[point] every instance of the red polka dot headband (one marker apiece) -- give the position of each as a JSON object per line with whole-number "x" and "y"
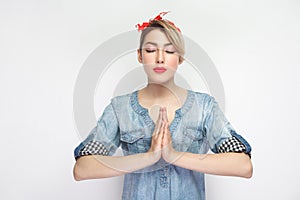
{"x": 144, "y": 25}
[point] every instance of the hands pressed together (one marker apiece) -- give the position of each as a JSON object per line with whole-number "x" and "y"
{"x": 161, "y": 144}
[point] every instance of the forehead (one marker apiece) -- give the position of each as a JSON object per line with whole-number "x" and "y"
{"x": 156, "y": 36}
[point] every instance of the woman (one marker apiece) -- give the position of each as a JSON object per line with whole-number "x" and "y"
{"x": 166, "y": 159}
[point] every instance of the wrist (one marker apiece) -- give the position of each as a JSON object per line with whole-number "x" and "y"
{"x": 153, "y": 156}
{"x": 171, "y": 156}
{"x": 176, "y": 155}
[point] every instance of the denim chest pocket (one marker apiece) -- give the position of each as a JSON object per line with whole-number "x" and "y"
{"x": 135, "y": 141}
{"x": 194, "y": 140}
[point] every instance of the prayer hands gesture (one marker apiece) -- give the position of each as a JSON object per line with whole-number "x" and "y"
{"x": 161, "y": 144}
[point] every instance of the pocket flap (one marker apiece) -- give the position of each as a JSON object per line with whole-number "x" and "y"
{"x": 132, "y": 136}
{"x": 194, "y": 133}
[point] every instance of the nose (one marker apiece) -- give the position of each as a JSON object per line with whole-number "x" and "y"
{"x": 160, "y": 56}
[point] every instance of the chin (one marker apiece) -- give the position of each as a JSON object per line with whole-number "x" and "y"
{"x": 158, "y": 81}
{"x": 160, "y": 78}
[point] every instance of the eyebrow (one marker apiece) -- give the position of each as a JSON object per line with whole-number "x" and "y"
{"x": 155, "y": 44}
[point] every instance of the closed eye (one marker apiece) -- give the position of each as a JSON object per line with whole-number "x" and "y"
{"x": 170, "y": 52}
{"x": 150, "y": 50}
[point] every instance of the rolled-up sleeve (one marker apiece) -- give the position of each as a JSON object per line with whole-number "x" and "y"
{"x": 221, "y": 135}
{"x": 104, "y": 138}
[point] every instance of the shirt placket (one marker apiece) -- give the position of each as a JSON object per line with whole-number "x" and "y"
{"x": 164, "y": 177}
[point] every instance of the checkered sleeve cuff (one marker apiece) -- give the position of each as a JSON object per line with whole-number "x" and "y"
{"x": 93, "y": 148}
{"x": 232, "y": 144}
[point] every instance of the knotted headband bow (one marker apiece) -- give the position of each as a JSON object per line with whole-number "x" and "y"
{"x": 158, "y": 17}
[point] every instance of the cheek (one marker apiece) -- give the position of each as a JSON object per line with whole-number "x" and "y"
{"x": 172, "y": 62}
{"x": 148, "y": 58}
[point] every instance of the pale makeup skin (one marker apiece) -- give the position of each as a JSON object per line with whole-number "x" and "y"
{"x": 160, "y": 62}
{"x": 158, "y": 53}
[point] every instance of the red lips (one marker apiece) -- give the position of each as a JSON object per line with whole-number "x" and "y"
{"x": 159, "y": 69}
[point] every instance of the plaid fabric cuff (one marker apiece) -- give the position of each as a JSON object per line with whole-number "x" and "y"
{"x": 232, "y": 144}
{"x": 93, "y": 148}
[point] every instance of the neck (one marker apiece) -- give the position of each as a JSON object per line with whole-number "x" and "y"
{"x": 161, "y": 90}
{"x": 162, "y": 94}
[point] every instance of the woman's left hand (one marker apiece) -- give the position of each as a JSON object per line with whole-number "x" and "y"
{"x": 168, "y": 152}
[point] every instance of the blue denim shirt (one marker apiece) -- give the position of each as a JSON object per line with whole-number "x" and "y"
{"x": 199, "y": 125}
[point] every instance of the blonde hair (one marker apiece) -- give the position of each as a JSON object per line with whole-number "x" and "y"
{"x": 171, "y": 32}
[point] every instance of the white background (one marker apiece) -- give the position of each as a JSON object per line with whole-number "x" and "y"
{"x": 255, "y": 46}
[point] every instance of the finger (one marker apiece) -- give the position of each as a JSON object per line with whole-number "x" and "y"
{"x": 167, "y": 127}
{"x": 159, "y": 122}
{"x": 164, "y": 114}
{"x": 160, "y": 129}
{"x": 167, "y": 134}
{"x": 160, "y": 135}
{"x": 165, "y": 137}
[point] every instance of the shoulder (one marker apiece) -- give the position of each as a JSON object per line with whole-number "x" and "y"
{"x": 122, "y": 97}
{"x": 202, "y": 97}
{"x": 204, "y": 101}
{"x": 122, "y": 100}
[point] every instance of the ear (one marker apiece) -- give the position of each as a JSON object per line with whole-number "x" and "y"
{"x": 139, "y": 55}
{"x": 181, "y": 59}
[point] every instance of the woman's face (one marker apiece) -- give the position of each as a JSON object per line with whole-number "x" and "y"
{"x": 159, "y": 57}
